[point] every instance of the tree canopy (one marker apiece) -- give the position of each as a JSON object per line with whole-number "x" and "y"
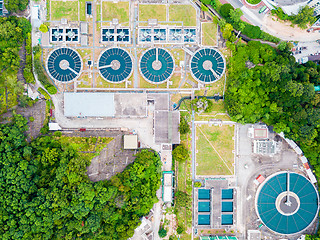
{"x": 13, "y": 32}
{"x": 277, "y": 91}
{"x": 16, "y": 5}
{"x": 46, "y": 194}
{"x": 304, "y": 17}
{"x": 180, "y": 153}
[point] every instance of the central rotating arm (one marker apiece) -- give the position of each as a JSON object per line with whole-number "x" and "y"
{"x": 72, "y": 70}
{"x": 106, "y": 66}
{"x": 214, "y": 73}
{"x": 288, "y": 203}
{"x": 157, "y": 54}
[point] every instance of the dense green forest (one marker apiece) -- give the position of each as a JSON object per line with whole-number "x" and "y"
{"x": 46, "y": 194}
{"x": 278, "y": 91}
{"x": 13, "y": 32}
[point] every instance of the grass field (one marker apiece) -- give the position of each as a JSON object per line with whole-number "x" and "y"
{"x": 118, "y": 10}
{"x": 98, "y": 12}
{"x": 145, "y": 84}
{"x": 101, "y": 83}
{"x": 152, "y": 12}
{"x": 218, "y": 112}
{"x": 175, "y": 79}
{"x": 84, "y": 81}
{"x": 82, "y": 10}
{"x": 214, "y": 150}
{"x": 209, "y": 34}
{"x": 68, "y": 10}
{"x": 185, "y": 13}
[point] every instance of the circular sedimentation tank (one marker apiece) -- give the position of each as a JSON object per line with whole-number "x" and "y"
{"x": 207, "y": 65}
{"x": 64, "y": 64}
{"x": 115, "y": 65}
{"x": 156, "y": 65}
{"x": 287, "y": 203}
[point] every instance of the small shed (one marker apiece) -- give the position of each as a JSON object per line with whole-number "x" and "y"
{"x": 259, "y": 179}
{"x": 35, "y": 16}
{"x": 84, "y": 40}
{"x": 84, "y": 28}
{"x": 54, "y": 126}
{"x": 130, "y": 141}
{"x": 167, "y": 186}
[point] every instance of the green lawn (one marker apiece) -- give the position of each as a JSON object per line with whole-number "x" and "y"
{"x": 152, "y": 12}
{"x": 82, "y": 10}
{"x": 68, "y": 10}
{"x": 218, "y": 112}
{"x": 98, "y": 12}
{"x": 101, "y": 83}
{"x": 118, "y": 10}
{"x": 214, "y": 150}
{"x": 145, "y": 84}
{"x": 185, "y": 13}
{"x": 175, "y": 79}
{"x": 84, "y": 81}
{"x": 209, "y": 34}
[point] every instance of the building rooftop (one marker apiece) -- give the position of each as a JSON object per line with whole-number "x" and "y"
{"x": 130, "y": 141}
{"x": 89, "y": 104}
{"x": 254, "y": 235}
{"x": 166, "y": 127}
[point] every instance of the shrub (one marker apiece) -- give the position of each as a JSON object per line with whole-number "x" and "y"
{"x": 43, "y": 28}
{"x": 31, "y": 119}
{"x": 28, "y": 75}
{"x": 254, "y": 2}
{"x": 51, "y": 89}
{"x": 197, "y": 184}
{"x": 182, "y": 199}
{"x": 252, "y": 31}
{"x": 209, "y": 107}
{"x": 180, "y": 153}
{"x": 44, "y": 93}
{"x": 202, "y": 105}
{"x": 280, "y": 14}
{"x": 162, "y": 232}
{"x": 180, "y": 230}
{"x": 225, "y": 10}
{"x": 42, "y": 77}
{"x": 44, "y": 129}
{"x": 184, "y": 126}
{"x": 23, "y": 100}
{"x": 57, "y": 134}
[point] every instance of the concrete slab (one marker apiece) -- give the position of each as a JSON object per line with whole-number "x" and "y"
{"x": 130, "y": 104}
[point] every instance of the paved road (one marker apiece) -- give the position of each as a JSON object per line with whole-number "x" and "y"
{"x": 236, "y": 3}
{"x": 251, "y": 16}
